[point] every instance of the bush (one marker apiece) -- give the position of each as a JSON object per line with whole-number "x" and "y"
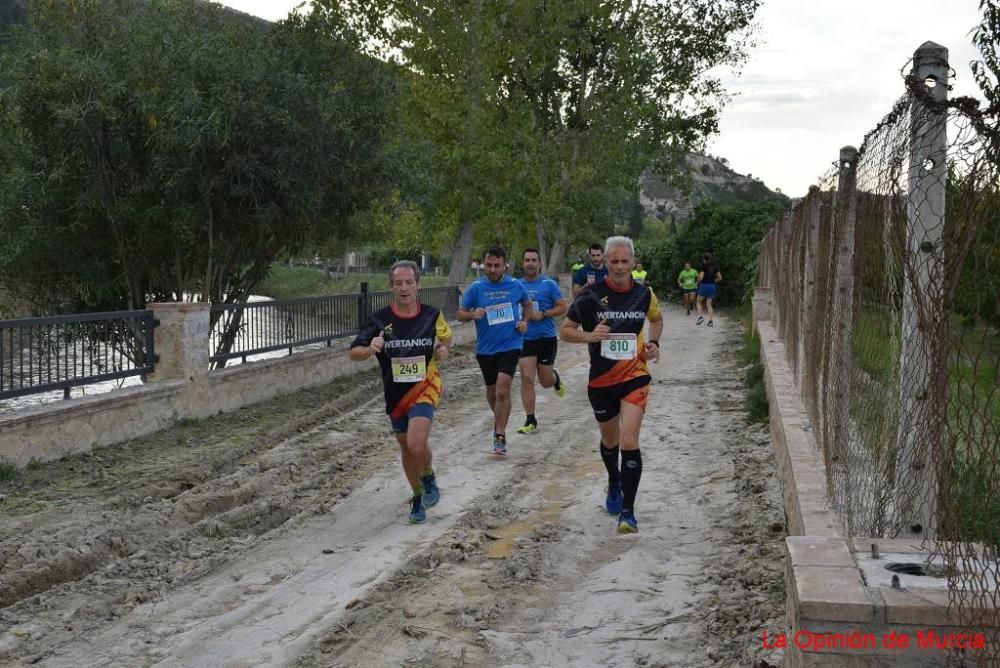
{"x": 755, "y": 398}
{"x": 731, "y": 234}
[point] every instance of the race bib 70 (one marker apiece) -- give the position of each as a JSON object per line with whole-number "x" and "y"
{"x": 500, "y": 313}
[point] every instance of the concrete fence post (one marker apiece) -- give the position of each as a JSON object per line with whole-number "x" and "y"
{"x": 921, "y": 386}
{"x": 181, "y": 341}
{"x": 783, "y": 276}
{"x": 836, "y": 394}
{"x": 807, "y": 306}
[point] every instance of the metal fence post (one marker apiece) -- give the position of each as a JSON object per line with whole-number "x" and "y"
{"x": 922, "y": 383}
{"x": 364, "y": 305}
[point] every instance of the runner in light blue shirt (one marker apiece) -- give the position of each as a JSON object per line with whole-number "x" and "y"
{"x": 493, "y": 303}
{"x": 538, "y": 356}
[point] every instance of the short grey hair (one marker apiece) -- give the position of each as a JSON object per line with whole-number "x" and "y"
{"x": 404, "y": 264}
{"x": 619, "y": 241}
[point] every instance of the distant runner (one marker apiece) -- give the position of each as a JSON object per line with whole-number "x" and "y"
{"x": 538, "y": 356}
{"x": 639, "y": 274}
{"x": 492, "y": 302}
{"x": 407, "y": 337}
{"x": 612, "y": 315}
{"x": 708, "y": 276}
{"x": 591, "y": 273}
{"x": 687, "y": 280}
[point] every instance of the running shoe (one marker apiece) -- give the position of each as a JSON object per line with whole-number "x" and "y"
{"x": 627, "y": 523}
{"x": 614, "y": 500}
{"x": 710, "y": 324}
{"x": 559, "y": 387}
{"x": 432, "y": 493}
{"x": 418, "y": 514}
{"x": 700, "y": 320}
{"x": 499, "y": 445}
{"x": 528, "y": 428}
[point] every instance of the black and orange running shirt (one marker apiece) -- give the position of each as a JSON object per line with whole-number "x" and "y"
{"x": 409, "y": 372}
{"x": 622, "y": 357}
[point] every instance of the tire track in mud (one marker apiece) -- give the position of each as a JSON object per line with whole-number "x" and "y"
{"x": 95, "y": 535}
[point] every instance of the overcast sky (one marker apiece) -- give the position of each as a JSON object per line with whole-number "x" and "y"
{"x": 823, "y": 74}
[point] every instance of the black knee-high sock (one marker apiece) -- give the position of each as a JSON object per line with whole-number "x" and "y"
{"x": 610, "y": 458}
{"x": 631, "y": 472}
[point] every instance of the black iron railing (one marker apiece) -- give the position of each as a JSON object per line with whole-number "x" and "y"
{"x": 60, "y": 352}
{"x": 241, "y": 330}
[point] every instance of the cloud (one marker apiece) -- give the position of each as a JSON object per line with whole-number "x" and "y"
{"x": 825, "y": 74}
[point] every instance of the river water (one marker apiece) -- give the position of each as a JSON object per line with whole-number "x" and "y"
{"x": 32, "y": 400}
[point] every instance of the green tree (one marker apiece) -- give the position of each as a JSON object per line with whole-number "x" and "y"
{"x": 155, "y": 149}
{"x": 731, "y": 234}
{"x": 544, "y": 114}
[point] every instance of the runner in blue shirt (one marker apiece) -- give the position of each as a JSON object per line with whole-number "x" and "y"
{"x": 492, "y": 302}
{"x": 595, "y": 272}
{"x": 538, "y": 356}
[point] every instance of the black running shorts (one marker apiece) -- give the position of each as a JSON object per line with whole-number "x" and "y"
{"x": 606, "y": 401}
{"x": 492, "y": 365}
{"x": 543, "y": 349}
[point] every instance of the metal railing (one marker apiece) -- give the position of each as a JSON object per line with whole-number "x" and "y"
{"x": 241, "y": 330}
{"x": 60, "y": 352}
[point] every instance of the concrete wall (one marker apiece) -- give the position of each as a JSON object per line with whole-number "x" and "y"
{"x": 182, "y": 387}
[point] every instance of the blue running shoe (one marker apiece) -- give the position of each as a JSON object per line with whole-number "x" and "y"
{"x": 627, "y": 523}
{"x": 499, "y": 445}
{"x": 432, "y": 494}
{"x": 614, "y": 500}
{"x": 418, "y": 515}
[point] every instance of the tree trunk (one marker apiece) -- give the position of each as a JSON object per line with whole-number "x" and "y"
{"x": 460, "y": 256}
{"x": 543, "y": 247}
{"x": 555, "y": 259}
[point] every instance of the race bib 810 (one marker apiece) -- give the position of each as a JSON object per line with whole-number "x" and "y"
{"x": 620, "y": 347}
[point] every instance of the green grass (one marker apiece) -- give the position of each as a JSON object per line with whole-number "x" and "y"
{"x": 972, "y": 417}
{"x": 286, "y": 282}
{"x": 755, "y": 392}
{"x": 7, "y": 471}
{"x": 875, "y": 342}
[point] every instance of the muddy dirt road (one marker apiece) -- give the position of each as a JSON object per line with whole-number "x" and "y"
{"x": 277, "y": 535}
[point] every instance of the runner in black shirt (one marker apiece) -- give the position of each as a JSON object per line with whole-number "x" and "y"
{"x": 610, "y": 317}
{"x": 708, "y": 277}
{"x": 408, "y": 338}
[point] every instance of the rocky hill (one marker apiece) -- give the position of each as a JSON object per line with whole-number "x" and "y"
{"x": 709, "y": 180}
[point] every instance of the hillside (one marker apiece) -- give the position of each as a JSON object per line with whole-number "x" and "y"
{"x": 710, "y": 181}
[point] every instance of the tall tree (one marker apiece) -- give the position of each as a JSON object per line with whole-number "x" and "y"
{"x": 547, "y": 112}
{"x": 160, "y": 148}
{"x": 986, "y": 37}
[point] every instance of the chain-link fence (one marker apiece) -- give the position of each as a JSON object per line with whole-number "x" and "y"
{"x": 886, "y": 284}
